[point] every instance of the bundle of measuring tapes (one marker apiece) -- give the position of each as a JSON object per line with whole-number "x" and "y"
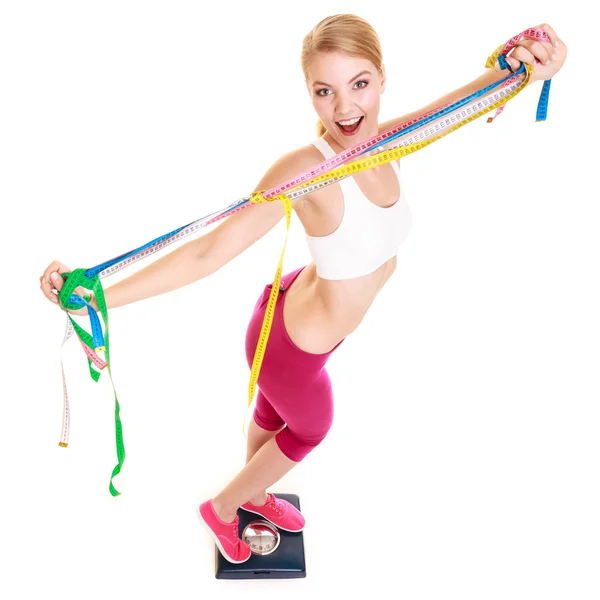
{"x": 407, "y": 137}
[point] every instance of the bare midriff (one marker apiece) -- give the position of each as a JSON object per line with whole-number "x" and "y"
{"x": 319, "y": 313}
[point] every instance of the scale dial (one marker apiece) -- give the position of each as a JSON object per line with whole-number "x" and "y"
{"x": 262, "y": 537}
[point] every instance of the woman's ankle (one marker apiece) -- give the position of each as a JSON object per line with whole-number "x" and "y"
{"x": 227, "y": 515}
{"x": 259, "y": 499}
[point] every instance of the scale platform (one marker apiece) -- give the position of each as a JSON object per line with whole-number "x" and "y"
{"x": 276, "y": 554}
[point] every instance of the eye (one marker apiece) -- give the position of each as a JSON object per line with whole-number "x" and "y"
{"x": 362, "y": 81}
{"x": 323, "y": 90}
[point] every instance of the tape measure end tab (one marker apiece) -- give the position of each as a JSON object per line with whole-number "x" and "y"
{"x": 63, "y": 444}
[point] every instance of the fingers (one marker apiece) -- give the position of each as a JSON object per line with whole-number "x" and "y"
{"x": 551, "y": 33}
{"x": 52, "y": 287}
{"x": 57, "y": 266}
{"x": 533, "y": 51}
{"x": 514, "y": 64}
{"x": 558, "y": 46}
{"x": 51, "y": 281}
{"x": 530, "y": 52}
{"x": 519, "y": 55}
{"x": 48, "y": 291}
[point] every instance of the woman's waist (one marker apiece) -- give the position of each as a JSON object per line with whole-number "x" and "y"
{"x": 330, "y": 310}
{"x": 318, "y": 313}
{"x": 347, "y": 301}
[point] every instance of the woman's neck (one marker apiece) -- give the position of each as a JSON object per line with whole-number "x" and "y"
{"x": 337, "y": 148}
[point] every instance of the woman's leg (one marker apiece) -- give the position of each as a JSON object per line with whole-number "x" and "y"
{"x": 264, "y": 424}
{"x": 268, "y": 465}
{"x": 257, "y": 438}
{"x": 306, "y": 428}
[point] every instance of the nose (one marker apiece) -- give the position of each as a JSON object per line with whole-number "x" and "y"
{"x": 343, "y": 105}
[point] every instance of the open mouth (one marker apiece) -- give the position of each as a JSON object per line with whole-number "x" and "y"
{"x": 353, "y": 125}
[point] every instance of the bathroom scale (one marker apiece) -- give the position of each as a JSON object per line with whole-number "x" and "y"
{"x": 276, "y": 554}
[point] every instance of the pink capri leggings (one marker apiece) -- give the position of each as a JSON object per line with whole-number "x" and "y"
{"x": 294, "y": 388}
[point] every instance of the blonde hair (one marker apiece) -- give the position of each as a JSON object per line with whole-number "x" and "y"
{"x": 345, "y": 33}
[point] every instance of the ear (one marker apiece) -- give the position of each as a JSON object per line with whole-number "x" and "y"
{"x": 383, "y": 78}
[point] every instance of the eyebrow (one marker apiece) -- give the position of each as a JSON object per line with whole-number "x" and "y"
{"x": 355, "y": 77}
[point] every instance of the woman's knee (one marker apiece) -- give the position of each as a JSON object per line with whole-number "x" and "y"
{"x": 270, "y": 423}
{"x": 265, "y": 414}
{"x": 296, "y": 446}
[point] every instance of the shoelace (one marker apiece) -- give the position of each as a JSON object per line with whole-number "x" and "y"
{"x": 235, "y": 529}
{"x": 96, "y": 345}
{"x": 275, "y": 505}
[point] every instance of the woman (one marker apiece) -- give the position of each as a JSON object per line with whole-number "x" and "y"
{"x": 354, "y": 229}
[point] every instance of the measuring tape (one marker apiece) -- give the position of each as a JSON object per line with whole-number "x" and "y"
{"x": 500, "y": 54}
{"x": 427, "y": 128}
{"x": 430, "y": 135}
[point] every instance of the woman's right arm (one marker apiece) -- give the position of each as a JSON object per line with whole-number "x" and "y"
{"x": 205, "y": 255}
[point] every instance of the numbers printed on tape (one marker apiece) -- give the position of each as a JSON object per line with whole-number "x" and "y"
{"x": 423, "y": 130}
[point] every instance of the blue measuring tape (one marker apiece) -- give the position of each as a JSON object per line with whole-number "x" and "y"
{"x": 89, "y": 278}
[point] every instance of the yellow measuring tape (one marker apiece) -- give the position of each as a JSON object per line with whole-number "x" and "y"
{"x": 350, "y": 169}
{"x": 257, "y": 198}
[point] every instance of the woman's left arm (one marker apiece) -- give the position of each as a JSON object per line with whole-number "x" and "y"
{"x": 545, "y": 58}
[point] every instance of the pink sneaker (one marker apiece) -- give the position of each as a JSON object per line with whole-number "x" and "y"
{"x": 280, "y": 512}
{"x": 226, "y": 535}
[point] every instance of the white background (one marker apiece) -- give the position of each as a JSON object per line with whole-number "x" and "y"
{"x": 463, "y": 459}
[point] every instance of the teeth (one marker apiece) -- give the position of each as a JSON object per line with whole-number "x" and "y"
{"x": 350, "y": 122}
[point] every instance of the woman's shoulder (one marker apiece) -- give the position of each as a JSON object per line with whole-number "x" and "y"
{"x": 289, "y": 165}
{"x": 292, "y": 164}
{"x": 300, "y": 159}
{"x": 306, "y": 157}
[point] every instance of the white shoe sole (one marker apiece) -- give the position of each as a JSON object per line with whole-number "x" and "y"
{"x": 217, "y": 541}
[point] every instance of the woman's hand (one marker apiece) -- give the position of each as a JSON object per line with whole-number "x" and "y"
{"x": 51, "y": 283}
{"x": 545, "y": 58}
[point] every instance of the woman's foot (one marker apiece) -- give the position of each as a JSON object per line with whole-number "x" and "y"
{"x": 226, "y": 535}
{"x": 259, "y": 500}
{"x": 279, "y": 512}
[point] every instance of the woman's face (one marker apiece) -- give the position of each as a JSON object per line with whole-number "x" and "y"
{"x": 344, "y": 88}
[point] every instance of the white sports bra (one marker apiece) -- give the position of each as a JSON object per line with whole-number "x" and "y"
{"x": 368, "y": 235}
